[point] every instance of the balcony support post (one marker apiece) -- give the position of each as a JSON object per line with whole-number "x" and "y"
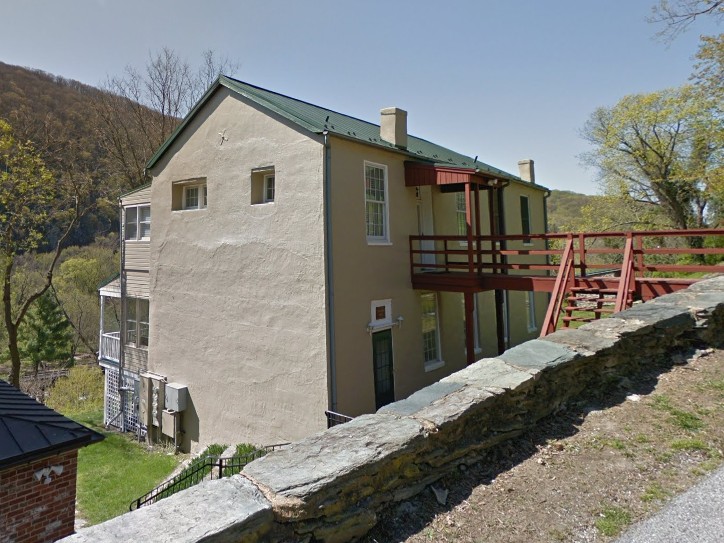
{"x": 469, "y": 225}
{"x": 102, "y": 325}
{"x": 478, "y": 241}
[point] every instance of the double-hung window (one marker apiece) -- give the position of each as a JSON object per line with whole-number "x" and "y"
{"x": 137, "y": 322}
{"x": 461, "y": 214}
{"x": 194, "y": 196}
{"x": 376, "y": 203}
{"x": 137, "y": 223}
{"x": 430, "y": 331}
{"x": 268, "y": 188}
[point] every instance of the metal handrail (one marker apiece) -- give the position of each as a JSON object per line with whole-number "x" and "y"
{"x": 225, "y": 465}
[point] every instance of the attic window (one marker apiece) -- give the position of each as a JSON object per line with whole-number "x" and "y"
{"x": 189, "y": 195}
{"x": 263, "y": 185}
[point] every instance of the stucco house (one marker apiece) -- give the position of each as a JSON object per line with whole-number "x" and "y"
{"x": 286, "y": 272}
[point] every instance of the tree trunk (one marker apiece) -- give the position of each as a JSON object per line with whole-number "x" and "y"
{"x": 9, "y": 324}
{"x": 14, "y": 354}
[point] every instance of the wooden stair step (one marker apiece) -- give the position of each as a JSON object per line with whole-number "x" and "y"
{"x": 591, "y": 300}
{"x": 594, "y": 290}
{"x": 577, "y": 319}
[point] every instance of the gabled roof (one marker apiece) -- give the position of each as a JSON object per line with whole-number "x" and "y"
{"x": 318, "y": 120}
{"x": 29, "y": 430}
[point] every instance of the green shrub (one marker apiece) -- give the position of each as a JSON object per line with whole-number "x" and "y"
{"x": 80, "y": 392}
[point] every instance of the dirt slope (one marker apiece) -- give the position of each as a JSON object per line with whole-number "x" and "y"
{"x": 585, "y": 473}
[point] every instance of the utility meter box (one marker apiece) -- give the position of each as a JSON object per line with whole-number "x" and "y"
{"x": 169, "y": 423}
{"x": 175, "y": 398}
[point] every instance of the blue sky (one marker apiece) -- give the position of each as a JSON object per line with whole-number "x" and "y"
{"x": 501, "y": 79}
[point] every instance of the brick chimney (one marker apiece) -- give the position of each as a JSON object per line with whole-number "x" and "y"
{"x": 527, "y": 170}
{"x": 393, "y": 126}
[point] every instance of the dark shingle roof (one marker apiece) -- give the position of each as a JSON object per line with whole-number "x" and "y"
{"x": 29, "y": 430}
{"x": 317, "y": 119}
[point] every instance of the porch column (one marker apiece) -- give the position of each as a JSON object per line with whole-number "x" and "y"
{"x": 492, "y": 227}
{"x": 100, "y": 336}
{"x": 477, "y": 229}
{"x": 469, "y": 324}
{"x": 469, "y": 229}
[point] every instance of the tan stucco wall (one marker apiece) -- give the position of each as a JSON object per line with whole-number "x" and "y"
{"x": 364, "y": 272}
{"x": 237, "y": 290}
{"x": 517, "y": 302}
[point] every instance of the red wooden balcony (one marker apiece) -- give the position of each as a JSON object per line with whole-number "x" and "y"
{"x": 631, "y": 265}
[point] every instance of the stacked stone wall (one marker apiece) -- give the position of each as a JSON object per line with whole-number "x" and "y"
{"x": 329, "y": 487}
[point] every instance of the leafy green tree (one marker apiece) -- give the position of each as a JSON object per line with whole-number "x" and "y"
{"x": 31, "y": 201}
{"x": 46, "y": 335}
{"x": 661, "y": 149}
{"x": 76, "y": 286}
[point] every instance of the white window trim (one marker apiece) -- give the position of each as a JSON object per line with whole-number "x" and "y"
{"x": 431, "y": 365}
{"x": 265, "y": 199}
{"x": 137, "y": 322}
{"x": 458, "y": 211}
{"x": 202, "y": 196}
{"x": 138, "y": 223}
{"x": 377, "y": 240}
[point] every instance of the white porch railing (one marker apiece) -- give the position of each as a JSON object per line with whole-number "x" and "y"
{"x": 110, "y": 346}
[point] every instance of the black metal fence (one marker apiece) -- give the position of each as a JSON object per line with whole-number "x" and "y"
{"x": 333, "y": 419}
{"x": 212, "y": 467}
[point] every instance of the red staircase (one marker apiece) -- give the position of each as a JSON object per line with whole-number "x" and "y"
{"x": 587, "y": 303}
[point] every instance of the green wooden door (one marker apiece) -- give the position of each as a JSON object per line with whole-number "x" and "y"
{"x": 383, "y": 369}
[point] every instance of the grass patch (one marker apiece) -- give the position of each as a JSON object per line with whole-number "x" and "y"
{"x": 655, "y": 492}
{"x": 682, "y": 419}
{"x": 613, "y": 520}
{"x": 690, "y": 445}
{"x": 244, "y": 453}
{"x": 115, "y": 472}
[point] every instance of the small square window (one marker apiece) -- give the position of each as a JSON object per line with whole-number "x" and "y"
{"x": 189, "y": 195}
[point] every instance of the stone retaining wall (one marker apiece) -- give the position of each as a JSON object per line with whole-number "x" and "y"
{"x": 330, "y": 486}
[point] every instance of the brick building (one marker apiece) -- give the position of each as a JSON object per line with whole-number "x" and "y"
{"x": 38, "y": 465}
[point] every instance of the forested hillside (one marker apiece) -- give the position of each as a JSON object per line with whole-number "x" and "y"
{"x": 564, "y": 210}
{"x": 67, "y": 152}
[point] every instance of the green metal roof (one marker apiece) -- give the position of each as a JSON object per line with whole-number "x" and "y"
{"x": 317, "y": 119}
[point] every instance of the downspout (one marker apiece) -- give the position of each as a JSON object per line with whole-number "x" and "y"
{"x": 501, "y": 297}
{"x": 122, "y": 334}
{"x": 329, "y": 273}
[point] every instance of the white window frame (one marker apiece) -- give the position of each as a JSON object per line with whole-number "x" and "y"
{"x": 202, "y": 195}
{"x": 436, "y": 362}
{"x": 530, "y": 311}
{"x": 135, "y": 325}
{"x": 377, "y": 324}
{"x": 269, "y": 182}
{"x": 384, "y": 239}
{"x": 137, "y": 223}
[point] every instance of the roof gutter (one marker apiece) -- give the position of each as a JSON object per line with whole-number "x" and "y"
{"x": 329, "y": 274}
